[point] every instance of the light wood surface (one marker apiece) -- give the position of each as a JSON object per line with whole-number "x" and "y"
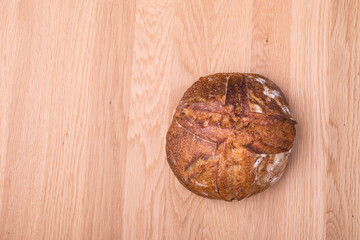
{"x": 88, "y": 89}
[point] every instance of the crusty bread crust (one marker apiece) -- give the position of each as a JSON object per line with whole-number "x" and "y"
{"x": 230, "y": 136}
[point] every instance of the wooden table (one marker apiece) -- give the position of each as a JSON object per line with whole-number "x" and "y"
{"x": 88, "y": 89}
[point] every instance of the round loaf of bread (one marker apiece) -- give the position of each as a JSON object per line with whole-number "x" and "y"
{"x": 231, "y": 136}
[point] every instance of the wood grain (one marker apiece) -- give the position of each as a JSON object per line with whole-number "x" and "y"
{"x": 343, "y": 178}
{"x": 88, "y": 89}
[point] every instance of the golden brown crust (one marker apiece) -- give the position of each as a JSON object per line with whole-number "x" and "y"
{"x": 230, "y": 136}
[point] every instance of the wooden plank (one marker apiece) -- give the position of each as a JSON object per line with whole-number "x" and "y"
{"x": 144, "y": 179}
{"x": 343, "y": 178}
{"x": 63, "y": 143}
{"x": 309, "y": 76}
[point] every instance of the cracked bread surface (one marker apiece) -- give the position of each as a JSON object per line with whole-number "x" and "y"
{"x": 231, "y": 136}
